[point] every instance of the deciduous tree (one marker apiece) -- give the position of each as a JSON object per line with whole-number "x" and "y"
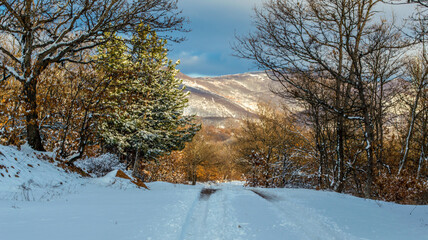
{"x": 40, "y": 33}
{"x": 329, "y": 53}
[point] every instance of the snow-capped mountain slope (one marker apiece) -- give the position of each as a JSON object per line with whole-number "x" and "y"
{"x": 230, "y": 97}
{"x": 224, "y": 100}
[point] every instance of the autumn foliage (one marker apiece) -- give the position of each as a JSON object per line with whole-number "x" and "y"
{"x": 209, "y": 157}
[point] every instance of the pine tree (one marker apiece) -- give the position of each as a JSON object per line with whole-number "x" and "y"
{"x": 145, "y": 101}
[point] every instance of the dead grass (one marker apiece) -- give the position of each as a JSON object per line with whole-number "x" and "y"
{"x": 138, "y": 182}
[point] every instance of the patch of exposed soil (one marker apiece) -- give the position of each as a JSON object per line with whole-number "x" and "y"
{"x": 206, "y": 193}
{"x": 266, "y": 196}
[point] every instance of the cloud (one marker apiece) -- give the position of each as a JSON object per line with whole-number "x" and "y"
{"x": 197, "y": 75}
{"x": 210, "y": 63}
{"x": 191, "y": 59}
{"x": 213, "y": 25}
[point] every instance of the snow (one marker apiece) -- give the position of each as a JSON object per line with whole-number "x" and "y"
{"x": 23, "y": 171}
{"x": 67, "y": 206}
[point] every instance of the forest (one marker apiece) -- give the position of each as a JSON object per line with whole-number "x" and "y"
{"x": 85, "y": 79}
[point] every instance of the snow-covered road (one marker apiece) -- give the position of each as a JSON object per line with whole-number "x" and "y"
{"x": 234, "y": 212}
{"x": 111, "y": 209}
{"x": 40, "y": 201}
{"x": 237, "y": 213}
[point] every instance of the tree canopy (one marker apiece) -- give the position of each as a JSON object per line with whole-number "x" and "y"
{"x": 145, "y": 101}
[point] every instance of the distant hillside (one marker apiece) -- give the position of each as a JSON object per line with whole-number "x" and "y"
{"x": 224, "y": 100}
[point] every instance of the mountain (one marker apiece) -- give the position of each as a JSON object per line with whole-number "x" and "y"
{"x": 226, "y": 100}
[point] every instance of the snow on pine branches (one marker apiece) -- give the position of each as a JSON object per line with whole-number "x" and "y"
{"x": 145, "y": 101}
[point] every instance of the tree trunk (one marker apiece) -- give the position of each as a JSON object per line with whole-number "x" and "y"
{"x": 368, "y": 137}
{"x": 424, "y": 144}
{"x": 340, "y": 131}
{"x": 30, "y": 99}
{"x": 421, "y": 162}
{"x": 409, "y": 133}
{"x": 284, "y": 169}
{"x": 378, "y": 113}
{"x": 136, "y": 170}
{"x": 320, "y": 146}
{"x": 194, "y": 175}
{"x": 370, "y": 158}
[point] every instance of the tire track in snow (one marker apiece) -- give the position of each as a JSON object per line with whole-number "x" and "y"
{"x": 187, "y": 220}
{"x": 206, "y": 193}
{"x": 223, "y": 224}
{"x": 211, "y": 217}
{"x": 312, "y": 224}
{"x": 268, "y": 197}
{"x": 197, "y": 216}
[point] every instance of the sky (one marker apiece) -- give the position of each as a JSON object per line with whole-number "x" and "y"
{"x": 214, "y": 24}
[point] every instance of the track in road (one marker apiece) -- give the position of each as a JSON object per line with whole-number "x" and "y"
{"x": 309, "y": 223}
{"x": 209, "y": 213}
{"x": 206, "y": 193}
{"x": 254, "y": 214}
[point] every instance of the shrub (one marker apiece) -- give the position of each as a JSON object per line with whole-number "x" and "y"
{"x": 100, "y": 166}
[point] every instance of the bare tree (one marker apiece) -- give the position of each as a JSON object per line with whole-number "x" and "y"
{"x": 335, "y": 45}
{"x": 203, "y": 155}
{"x": 423, "y": 3}
{"x": 420, "y": 2}
{"x": 40, "y": 33}
{"x": 273, "y": 148}
{"x": 70, "y": 107}
{"x": 418, "y": 72}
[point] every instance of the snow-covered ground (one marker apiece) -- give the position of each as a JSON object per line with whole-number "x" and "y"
{"x": 48, "y": 203}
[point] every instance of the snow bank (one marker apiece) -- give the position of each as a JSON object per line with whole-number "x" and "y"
{"x": 30, "y": 175}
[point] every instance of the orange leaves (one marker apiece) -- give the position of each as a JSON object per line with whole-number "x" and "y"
{"x": 121, "y": 174}
{"x": 11, "y": 113}
{"x": 207, "y": 158}
{"x": 273, "y": 148}
{"x": 404, "y": 189}
{"x": 167, "y": 168}
{"x": 138, "y": 182}
{"x": 72, "y": 169}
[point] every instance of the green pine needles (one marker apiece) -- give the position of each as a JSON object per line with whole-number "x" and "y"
{"x": 145, "y": 100}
